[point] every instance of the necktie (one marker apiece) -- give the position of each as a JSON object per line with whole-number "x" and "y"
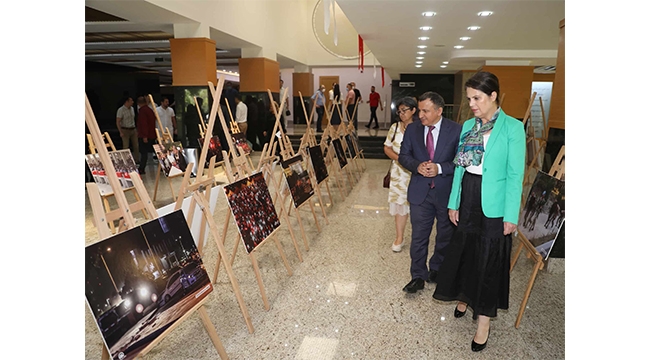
{"x": 430, "y": 147}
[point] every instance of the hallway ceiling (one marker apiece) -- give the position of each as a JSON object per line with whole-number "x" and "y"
{"x": 519, "y": 32}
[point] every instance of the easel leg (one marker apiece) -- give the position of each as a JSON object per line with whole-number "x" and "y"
{"x": 327, "y": 186}
{"x": 314, "y": 214}
{"x": 171, "y": 188}
{"x": 212, "y": 332}
{"x": 516, "y": 257}
{"x": 155, "y": 188}
{"x": 259, "y": 281}
{"x": 223, "y": 241}
{"x": 107, "y": 206}
{"x": 234, "y": 251}
{"x": 105, "y": 354}
{"x": 527, "y": 293}
{"x": 284, "y": 258}
{"x": 302, "y": 231}
{"x": 322, "y": 204}
{"x": 286, "y": 217}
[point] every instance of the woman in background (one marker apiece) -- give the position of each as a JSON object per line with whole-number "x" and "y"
{"x": 335, "y": 98}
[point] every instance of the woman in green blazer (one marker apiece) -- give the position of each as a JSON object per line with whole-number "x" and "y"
{"x": 484, "y": 205}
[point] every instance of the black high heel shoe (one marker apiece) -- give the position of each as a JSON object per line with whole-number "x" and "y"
{"x": 479, "y": 347}
{"x": 458, "y": 313}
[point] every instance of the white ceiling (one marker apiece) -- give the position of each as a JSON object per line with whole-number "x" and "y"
{"x": 523, "y": 32}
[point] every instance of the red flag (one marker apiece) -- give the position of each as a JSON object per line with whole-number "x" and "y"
{"x": 360, "y": 53}
{"x": 382, "y": 76}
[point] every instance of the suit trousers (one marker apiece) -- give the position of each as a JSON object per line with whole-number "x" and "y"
{"x": 422, "y": 219}
{"x": 131, "y": 136}
{"x": 319, "y": 112}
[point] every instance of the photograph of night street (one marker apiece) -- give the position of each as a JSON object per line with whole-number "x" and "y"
{"x": 139, "y": 282}
{"x": 351, "y": 149}
{"x": 340, "y": 154}
{"x": 298, "y": 180}
{"x": 318, "y": 162}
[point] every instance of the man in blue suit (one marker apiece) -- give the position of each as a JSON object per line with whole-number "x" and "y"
{"x": 428, "y": 149}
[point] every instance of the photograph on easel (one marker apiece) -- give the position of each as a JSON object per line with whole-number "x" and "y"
{"x": 543, "y": 212}
{"x": 141, "y": 281}
{"x": 318, "y": 162}
{"x": 552, "y": 247}
{"x": 240, "y": 141}
{"x": 351, "y": 150}
{"x": 251, "y": 205}
{"x": 122, "y": 162}
{"x": 214, "y": 149}
{"x": 298, "y": 180}
{"x": 171, "y": 158}
{"x": 340, "y": 154}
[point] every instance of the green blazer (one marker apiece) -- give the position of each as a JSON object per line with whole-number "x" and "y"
{"x": 503, "y": 169}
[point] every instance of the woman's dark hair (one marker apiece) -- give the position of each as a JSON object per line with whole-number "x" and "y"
{"x": 337, "y": 92}
{"x": 485, "y": 82}
{"x": 410, "y": 103}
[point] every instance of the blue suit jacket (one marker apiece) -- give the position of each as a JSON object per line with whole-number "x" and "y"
{"x": 414, "y": 152}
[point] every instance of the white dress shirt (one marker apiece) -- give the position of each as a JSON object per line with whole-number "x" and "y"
{"x": 242, "y": 113}
{"x": 478, "y": 169}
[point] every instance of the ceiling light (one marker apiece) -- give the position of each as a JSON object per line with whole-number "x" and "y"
{"x": 418, "y": 66}
{"x": 422, "y": 46}
{"x": 423, "y": 38}
{"x": 445, "y": 62}
{"x": 443, "y": 66}
{"x": 458, "y": 47}
{"x": 421, "y": 52}
{"x": 418, "y": 62}
{"x": 429, "y": 13}
{"x": 473, "y": 28}
{"x": 419, "y": 57}
{"x": 485, "y": 13}
{"x": 465, "y": 38}
{"x": 426, "y": 28}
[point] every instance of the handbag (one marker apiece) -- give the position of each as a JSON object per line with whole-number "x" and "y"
{"x": 387, "y": 177}
{"x": 287, "y": 113}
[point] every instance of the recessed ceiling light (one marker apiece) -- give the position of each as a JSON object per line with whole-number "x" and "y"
{"x": 422, "y": 46}
{"x": 445, "y": 62}
{"x": 443, "y": 66}
{"x": 458, "y": 47}
{"x": 465, "y": 38}
{"x": 423, "y": 38}
{"x": 429, "y": 13}
{"x": 426, "y": 28}
{"x": 473, "y": 28}
{"x": 418, "y": 66}
{"x": 421, "y": 52}
{"x": 418, "y": 62}
{"x": 419, "y": 57}
{"x": 485, "y": 13}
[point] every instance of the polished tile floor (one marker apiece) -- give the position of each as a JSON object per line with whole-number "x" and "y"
{"x": 345, "y": 300}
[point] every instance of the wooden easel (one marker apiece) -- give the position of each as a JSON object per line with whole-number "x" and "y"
{"x": 557, "y": 171}
{"x": 332, "y": 161}
{"x": 163, "y": 138}
{"x": 128, "y": 222}
{"x": 243, "y": 171}
{"x": 138, "y": 205}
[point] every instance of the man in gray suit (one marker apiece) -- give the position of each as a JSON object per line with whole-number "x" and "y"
{"x": 428, "y": 149}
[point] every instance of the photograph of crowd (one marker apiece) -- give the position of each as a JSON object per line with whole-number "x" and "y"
{"x": 251, "y": 205}
{"x": 298, "y": 180}
{"x": 214, "y": 149}
{"x": 351, "y": 148}
{"x": 140, "y": 282}
{"x": 240, "y": 141}
{"x": 318, "y": 162}
{"x": 122, "y": 162}
{"x": 543, "y": 212}
{"x": 171, "y": 158}
{"x": 340, "y": 154}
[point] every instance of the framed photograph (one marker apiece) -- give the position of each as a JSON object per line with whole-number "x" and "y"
{"x": 141, "y": 281}
{"x": 543, "y": 213}
{"x": 318, "y": 162}
{"x": 171, "y": 158}
{"x": 122, "y": 162}
{"x": 240, "y": 141}
{"x": 351, "y": 149}
{"x": 252, "y": 207}
{"x": 214, "y": 149}
{"x": 340, "y": 154}
{"x": 298, "y": 180}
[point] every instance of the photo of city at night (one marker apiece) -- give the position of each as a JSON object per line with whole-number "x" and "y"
{"x": 139, "y": 282}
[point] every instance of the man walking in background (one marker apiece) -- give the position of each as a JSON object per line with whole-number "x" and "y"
{"x": 318, "y": 100}
{"x": 125, "y": 120}
{"x": 374, "y": 102}
{"x": 146, "y": 132}
{"x": 167, "y": 117}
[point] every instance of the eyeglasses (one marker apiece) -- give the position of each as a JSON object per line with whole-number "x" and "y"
{"x": 402, "y": 111}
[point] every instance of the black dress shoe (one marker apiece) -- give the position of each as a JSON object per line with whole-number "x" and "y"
{"x": 458, "y": 313}
{"x": 432, "y": 276}
{"x": 414, "y": 286}
{"x": 479, "y": 347}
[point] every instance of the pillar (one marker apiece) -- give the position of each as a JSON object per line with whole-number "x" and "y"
{"x": 303, "y": 83}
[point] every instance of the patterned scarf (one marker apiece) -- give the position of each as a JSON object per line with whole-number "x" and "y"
{"x": 470, "y": 150}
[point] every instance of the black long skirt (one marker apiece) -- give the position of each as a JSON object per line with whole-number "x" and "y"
{"x": 476, "y": 268}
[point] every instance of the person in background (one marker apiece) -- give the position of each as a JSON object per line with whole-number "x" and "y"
{"x": 398, "y": 206}
{"x": 167, "y": 117}
{"x": 146, "y": 132}
{"x": 318, "y": 100}
{"x": 335, "y": 98}
{"x": 242, "y": 114}
{"x": 253, "y": 122}
{"x": 357, "y": 100}
{"x": 349, "y": 102}
{"x": 375, "y": 101}
{"x": 484, "y": 205}
{"x": 125, "y": 121}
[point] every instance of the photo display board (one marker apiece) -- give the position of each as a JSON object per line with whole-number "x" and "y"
{"x": 318, "y": 162}
{"x": 141, "y": 281}
{"x": 340, "y": 154}
{"x": 122, "y": 162}
{"x": 251, "y": 205}
{"x": 543, "y": 214}
{"x": 351, "y": 149}
{"x": 240, "y": 141}
{"x": 214, "y": 149}
{"x": 171, "y": 158}
{"x": 298, "y": 180}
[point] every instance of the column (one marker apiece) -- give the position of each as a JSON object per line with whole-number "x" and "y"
{"x": 303, "y": 83}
